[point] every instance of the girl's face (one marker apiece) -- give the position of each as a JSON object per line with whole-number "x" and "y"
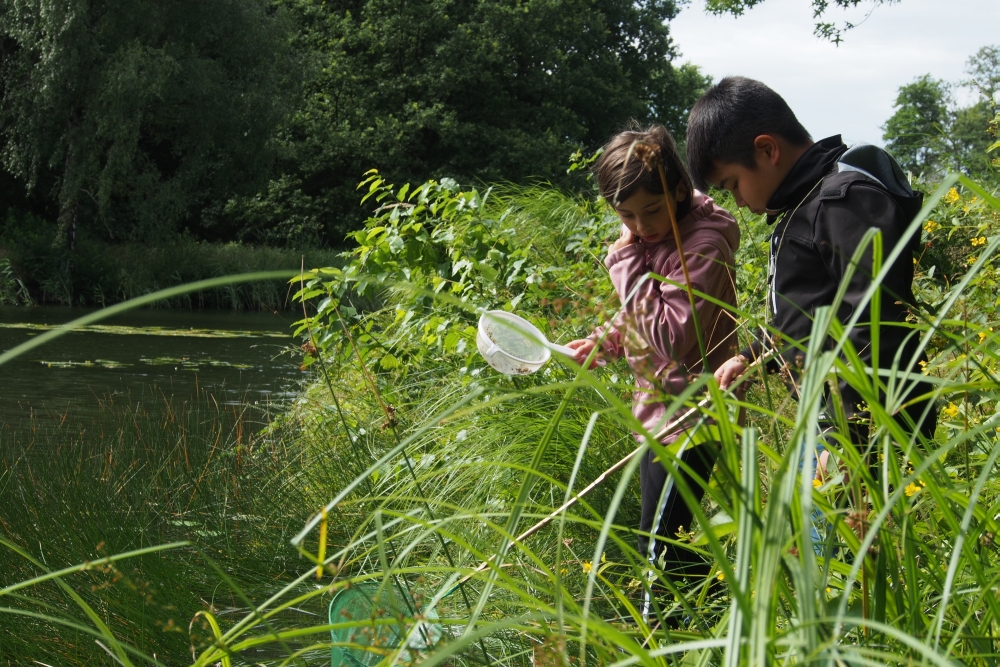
{"x": 645, "y": 214}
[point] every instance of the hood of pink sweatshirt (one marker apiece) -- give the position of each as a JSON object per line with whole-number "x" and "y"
{"x": 656, "y": 330}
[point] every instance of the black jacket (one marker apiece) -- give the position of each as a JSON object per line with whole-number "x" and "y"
{"x": 823, "y": 209}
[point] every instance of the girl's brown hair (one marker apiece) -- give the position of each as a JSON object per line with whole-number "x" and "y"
{"x": 618, "y": 178}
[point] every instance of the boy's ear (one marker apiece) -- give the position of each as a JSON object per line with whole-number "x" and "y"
{"x": 767, "y": 148}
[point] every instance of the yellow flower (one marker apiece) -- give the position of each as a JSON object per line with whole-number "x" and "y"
{"x": 978, "y": 241}
{"x": 913, "y": 488}
{"x": 952, "y": 196}
{"x": 982, "y": 336}
{"x": 563, "y": 571}
{"x": 931, "y": 226}
{"x": 951, "y": 410}
{"x": 817, "y": 483}
{"x": 721, "y": 576}
{"x": 587, "y": 566}
{"x": 971, "y": 260}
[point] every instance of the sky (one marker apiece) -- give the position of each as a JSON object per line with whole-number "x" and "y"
{"x": 847, "y": 89}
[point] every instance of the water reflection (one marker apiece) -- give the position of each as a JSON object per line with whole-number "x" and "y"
{"x": 237, "y": 357}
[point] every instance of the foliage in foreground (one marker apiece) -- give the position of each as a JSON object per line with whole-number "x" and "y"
{"x": 436, "y": 463}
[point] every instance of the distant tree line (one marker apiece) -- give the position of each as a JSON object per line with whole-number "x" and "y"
{"x": 253, "y": 120}
{"x": 931, "y": 134}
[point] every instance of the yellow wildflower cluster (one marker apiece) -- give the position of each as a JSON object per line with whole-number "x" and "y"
{"x": 978, "y": 241}
{"x": 951, "y": 410}
{"x": 913, "y": 488}
{"x": 971, "y": 260}
{"x": 930, "y": 226}
{"x": 952, "y": 196}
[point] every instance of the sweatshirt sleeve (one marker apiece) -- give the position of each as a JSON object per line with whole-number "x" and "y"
{"x": 660, "y": 310}
{"x": 609, "y": 337}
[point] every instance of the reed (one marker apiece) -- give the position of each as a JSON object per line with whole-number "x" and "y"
{"x": 915, "y": 587}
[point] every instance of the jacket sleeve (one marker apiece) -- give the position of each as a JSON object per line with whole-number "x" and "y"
{"x": 660, "y": 311}
{"x": 840, "y": 227}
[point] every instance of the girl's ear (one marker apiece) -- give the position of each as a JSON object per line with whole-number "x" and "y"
{"x": 681, "y": 193}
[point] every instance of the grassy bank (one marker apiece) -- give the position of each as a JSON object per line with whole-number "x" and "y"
{"x": 409, "y": 463}
{"x": 146, "y": 471}
{"x": 95, "y": 273}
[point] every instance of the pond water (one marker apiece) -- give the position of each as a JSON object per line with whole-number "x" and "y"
{"x": 243, "y": 358}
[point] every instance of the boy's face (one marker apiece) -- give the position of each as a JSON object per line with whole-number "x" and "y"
{"x": 753, "y": 186}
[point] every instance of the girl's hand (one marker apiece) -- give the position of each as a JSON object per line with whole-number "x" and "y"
{"x": 584, "y": 347}
{"x": 625, "y": 239}
{"x": 730, "y": 371}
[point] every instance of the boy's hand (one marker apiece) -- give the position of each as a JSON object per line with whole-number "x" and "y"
{"x": 730, "y": 371}
{"x": 584, "y": 347}
{"x": 625, "y": 239}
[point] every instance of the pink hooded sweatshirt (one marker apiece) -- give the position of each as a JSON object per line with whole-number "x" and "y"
{"x": 656, "y": 331}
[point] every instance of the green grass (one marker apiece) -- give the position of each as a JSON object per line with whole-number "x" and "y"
{"x": 429, "y": 464}
{"x": 148, "y": 470}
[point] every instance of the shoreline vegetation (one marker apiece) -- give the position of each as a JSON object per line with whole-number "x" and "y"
{"x": 101, "y": 274}
{"x": 408, "y": 462}
{"x": 147, "y": 145}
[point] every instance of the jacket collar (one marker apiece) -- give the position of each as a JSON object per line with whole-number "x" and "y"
{"x": 811, "y": 166}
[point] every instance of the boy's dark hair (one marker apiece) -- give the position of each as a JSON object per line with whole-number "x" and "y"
{"x": 726, "y": 120}
{"x": 618, "y": 180}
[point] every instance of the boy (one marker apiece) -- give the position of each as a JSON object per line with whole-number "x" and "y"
{"x": 822, "y": 199}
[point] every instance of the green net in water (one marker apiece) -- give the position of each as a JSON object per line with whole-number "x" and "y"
{"x": 376, "y": 620}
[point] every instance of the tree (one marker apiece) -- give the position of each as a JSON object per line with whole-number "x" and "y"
{"x": 137, "y": 115}
{"x": 471, "y": 89}
{"x": 915, "y": 134}
{"x": 983, "y": 69}
{"x": 825, "y": 29}
{"x": 929, "y": 134}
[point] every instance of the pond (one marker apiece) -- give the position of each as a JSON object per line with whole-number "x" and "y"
{"x": 142, "y": 355}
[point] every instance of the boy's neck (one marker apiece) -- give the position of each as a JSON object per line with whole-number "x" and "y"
{"x": 790, "y": 154}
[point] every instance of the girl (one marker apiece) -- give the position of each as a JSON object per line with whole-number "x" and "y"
{"x": 656, "y": 330}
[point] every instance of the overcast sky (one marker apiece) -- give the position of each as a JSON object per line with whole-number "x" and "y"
{"x": 847, "y": 89}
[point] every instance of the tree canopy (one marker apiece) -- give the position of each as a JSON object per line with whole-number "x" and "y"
{"x": 138, "y": 115}
{"x": 255, "y": 119}
{"x": 493, "y": 90}
{"x": 823, "y": 28}
{"x": 930, "y": 134}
